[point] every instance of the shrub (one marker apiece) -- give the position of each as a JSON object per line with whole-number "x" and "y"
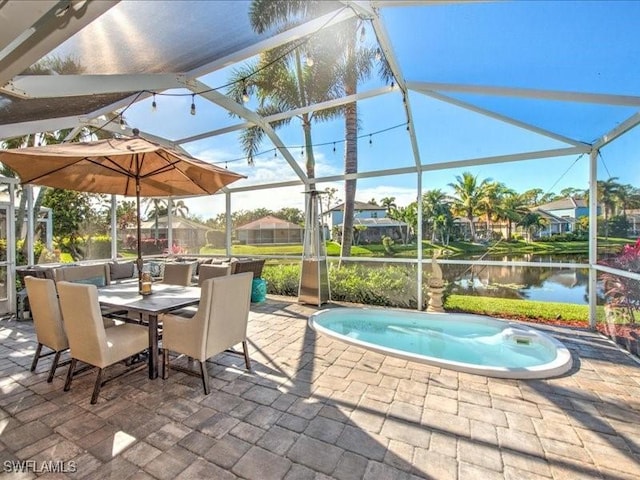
{"x": 97, "y": 247}
{"x": 392, "y": 285}
{"x": 282, "y": 279}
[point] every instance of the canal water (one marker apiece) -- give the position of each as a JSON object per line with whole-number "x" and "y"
{"x": 566, "y": 285}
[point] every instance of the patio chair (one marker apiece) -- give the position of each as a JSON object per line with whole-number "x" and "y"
{"x": 177, "y": 274}
{"x": 47, "y": 321}
{"x": 206, "y": 272}
{"x": 219, "y": 323}
{"x": 89, "y": 341}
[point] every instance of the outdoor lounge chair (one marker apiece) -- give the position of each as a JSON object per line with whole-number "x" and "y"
{"x": 219, "y": 323}
{"x": 89, "y": 341}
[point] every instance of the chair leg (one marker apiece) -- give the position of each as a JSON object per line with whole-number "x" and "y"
{"x": 54, "y": 365}
{"x": 34, "y": 364}
{"x": 96, "y": 387}
{"x": 165, "y": 363}
{"x": 72, "y": 367}
{"x": 205, "y": 376}
{"x": 247, "y": 361}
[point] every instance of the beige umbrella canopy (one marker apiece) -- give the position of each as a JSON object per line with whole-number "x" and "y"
{"x": 127, "y": 166}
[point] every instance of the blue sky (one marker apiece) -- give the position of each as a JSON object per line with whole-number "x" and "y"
{"x": 573, "y": 46}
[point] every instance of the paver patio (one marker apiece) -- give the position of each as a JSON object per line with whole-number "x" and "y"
{"x": 316, "y": 408}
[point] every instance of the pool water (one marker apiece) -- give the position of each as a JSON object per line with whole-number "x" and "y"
{"x": 470, "y": 343}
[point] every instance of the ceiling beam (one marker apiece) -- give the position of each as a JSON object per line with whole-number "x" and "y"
{"x": 502, "y": 118}
{"x": 630, "y": 123}
{"x": 597, "y": 98}
{"x": 384, "y": 41}
{"x": 52, "y": 86}
{"x": 57, "y": 25}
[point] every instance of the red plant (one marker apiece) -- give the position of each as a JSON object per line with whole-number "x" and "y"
{"x": 621, "y": 291}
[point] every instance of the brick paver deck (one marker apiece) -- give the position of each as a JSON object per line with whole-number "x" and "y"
{"x": 316, "y": 408}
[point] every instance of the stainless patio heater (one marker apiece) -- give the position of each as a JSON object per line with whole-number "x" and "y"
{"x": 314, "y": 277}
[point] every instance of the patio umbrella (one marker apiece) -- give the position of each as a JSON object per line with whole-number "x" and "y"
{"x": 122, "y": 166}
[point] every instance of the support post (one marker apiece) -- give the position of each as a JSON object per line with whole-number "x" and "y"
{"x": 170, "y": 226}
{"x": 419, "y": 242}
{"x": 593, "y": 235}
{"x": 114, "y": 228}
{"x": 30, "y": 254}
{"x": 229, "y": 224}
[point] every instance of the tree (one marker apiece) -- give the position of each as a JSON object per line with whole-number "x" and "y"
{"x": 490, "y": 201}
{"x": 607, "y": 195}
{"x": 532, "y": 222}
{"x": 330, "y": 197}
{"x": 71, "y": 210}
{"x": 389, "y": 203}
{"x": 352, "y": 62}
{"x": 292, "y": 215}
{"x": 512, "y": 209}
{"x": 467, "y": 199}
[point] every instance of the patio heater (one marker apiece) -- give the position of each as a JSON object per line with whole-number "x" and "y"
{"x": 314, "y": 277}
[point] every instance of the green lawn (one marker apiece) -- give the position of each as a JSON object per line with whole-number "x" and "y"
{"x": 410, "y": 251}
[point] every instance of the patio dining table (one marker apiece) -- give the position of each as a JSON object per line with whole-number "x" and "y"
{"x": 164, "y": 298}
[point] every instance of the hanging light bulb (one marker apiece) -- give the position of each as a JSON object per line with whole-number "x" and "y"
{"x": 334, "y": 147}
{"x": 378, "y": 55}
{"x": 193, "y": 104}
{"x": 123, "y": 126}
{"x": 363, "y": 34}
{"x": 370, "y": 140}
{"x": 154, "y": 106}
{"x": 392, "y": 86}
{"x": 245, "y": 93}
{"x": 309, "y": 61}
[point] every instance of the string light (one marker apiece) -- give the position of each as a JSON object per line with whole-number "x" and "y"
{"x": 123, "y": 125}
{"x": 293, "y": 147}
{"x": 378, "y": 55}
{"x": 309, "y": 61}
{"x": 370, "y": 140}
{"x": 154, "y": 105}
{"x": 363, "y": 34}
{"x": 245, "y": 93}
{"x": 193, "y": 104}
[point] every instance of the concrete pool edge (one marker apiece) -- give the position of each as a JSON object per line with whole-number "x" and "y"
{"x": 562, "y": 363}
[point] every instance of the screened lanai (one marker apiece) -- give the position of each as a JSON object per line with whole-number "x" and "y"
{"x": 534, "y": 96}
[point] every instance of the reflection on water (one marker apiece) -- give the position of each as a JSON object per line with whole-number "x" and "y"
{"x": 545, "y": 284}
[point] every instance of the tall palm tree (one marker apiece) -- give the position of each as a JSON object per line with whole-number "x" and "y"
{"x": 491, "y": 199}
{"x": 389, "y": 203}
{"x": 607, "y": 196}
{"x": 531, "y": 222}
{"x": 468, "y": 193}
{"x": 512, "y": 209}
{"x": 353, "y": 62}
{"x": 434, "y": 204}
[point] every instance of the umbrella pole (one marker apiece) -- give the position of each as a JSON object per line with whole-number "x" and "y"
{"x": 139, "y": 261}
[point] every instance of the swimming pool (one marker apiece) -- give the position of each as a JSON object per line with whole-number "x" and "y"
{"x": 467, "y": 343}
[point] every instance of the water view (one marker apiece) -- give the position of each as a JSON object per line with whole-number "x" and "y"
{"x": 566, "y": 285}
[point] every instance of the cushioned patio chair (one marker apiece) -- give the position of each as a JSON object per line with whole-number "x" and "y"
{"x": 89, "y": 341}
{"x": 220, "y": 323}
{"x": 47, "y": 321}
{"x": 207, "y": 271}
{"x": 177, "y": 273}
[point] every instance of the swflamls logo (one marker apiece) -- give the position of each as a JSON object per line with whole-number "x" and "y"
{"x": 32, "y": 466}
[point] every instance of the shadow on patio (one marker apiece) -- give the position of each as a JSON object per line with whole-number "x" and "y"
{"x": 317, "y": 408}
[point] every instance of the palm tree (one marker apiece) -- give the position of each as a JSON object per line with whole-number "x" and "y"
{"x": 491, "y": 199}
{"x": 155, "y": 208}
{"x": 467, "y": 199}
{"x": 352, "y": 62}
{"x": 607, "y": 195}
{"x": 531, "y": 222}
{"x": 433, "y": 202}
{"x": 389, "y": 203}
{"x": 512, "y": 209}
